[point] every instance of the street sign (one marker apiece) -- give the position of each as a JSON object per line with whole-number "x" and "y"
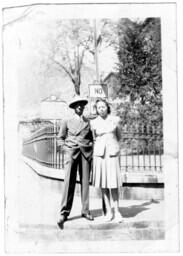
{"x": 98, "y": 91}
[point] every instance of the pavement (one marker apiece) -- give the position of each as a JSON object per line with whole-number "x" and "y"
{"x": 37, "y": 213}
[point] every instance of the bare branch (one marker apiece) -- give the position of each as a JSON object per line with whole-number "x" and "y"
{"x": 81, "y": 60}
{"x": 64, "y": 68}
{"x": 70, "y": 65}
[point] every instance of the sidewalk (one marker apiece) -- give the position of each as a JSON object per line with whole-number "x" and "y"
{"x": 38, "y": 212}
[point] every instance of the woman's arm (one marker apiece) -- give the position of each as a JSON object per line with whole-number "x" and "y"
{"x": 118, "y": 129}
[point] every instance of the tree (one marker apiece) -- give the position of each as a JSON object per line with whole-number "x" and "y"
{"x": 69, "y": 48}
{"x": 75, "y": 44}
{"x": 139, "y": 70}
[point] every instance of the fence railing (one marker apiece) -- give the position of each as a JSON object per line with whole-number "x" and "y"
{"x": 141, "y": 148}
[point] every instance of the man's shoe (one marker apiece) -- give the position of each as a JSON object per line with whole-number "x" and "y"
{"x": 87, "y": 216}
{"x": 61, "y": 221}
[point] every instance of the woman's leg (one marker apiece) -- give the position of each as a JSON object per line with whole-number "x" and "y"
{"x": 107, "y": 203}
{"x": 115, "y": 202}
{"x": 115, "y": 199}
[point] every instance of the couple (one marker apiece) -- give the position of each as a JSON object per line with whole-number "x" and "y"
{"x": 81, "y": 141}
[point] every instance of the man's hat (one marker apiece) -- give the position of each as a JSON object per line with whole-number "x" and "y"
{"x": 77, "y": 99}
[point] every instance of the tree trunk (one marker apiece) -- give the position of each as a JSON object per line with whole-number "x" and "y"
{"x": 77, "y": 87}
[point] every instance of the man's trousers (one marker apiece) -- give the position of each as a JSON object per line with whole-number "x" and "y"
{"x": 71, "y": 167}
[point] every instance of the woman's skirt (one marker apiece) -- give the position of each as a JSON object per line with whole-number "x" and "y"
{"x": 106, "y": 172}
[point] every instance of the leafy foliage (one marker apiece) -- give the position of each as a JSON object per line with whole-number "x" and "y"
{"x": 139, "y": 70}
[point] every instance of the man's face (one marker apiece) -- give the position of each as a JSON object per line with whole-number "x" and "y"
{"x": 79, "y": 108}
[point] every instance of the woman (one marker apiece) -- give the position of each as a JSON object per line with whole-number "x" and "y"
{"x": 106, "y": 163}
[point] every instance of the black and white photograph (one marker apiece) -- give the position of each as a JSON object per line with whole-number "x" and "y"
{"x": 90, "y": 127}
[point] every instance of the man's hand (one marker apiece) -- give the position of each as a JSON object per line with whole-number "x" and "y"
{"x": 60, "y": 146}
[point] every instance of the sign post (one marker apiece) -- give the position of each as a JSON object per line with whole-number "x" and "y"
{"x": 96, "y": 91}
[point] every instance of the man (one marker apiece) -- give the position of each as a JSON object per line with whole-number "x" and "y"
{"x": 75, "y": 137}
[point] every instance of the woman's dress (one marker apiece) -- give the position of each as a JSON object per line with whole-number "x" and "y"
{"x": 106, "y": 159}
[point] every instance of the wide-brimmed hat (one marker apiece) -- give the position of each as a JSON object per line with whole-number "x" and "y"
{"x": 77, "y": 99}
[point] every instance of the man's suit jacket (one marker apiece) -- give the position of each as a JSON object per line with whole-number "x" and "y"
{"x": 75, "y": 136}
{"x": 106, "y": 134}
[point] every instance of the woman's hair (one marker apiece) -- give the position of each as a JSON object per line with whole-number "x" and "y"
{"x": 106, "y": 103}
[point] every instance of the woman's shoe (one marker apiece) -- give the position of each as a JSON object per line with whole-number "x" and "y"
{"x": 108, "y": 217}
{"x": 118, "y": 217}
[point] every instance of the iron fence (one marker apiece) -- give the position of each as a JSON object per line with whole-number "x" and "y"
{"x": 141, "y": 148}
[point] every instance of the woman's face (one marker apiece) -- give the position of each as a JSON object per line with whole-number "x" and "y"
{"x": 102, "y": 109}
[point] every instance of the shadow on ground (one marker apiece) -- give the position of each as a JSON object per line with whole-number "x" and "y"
{"x": 127, "y": 212}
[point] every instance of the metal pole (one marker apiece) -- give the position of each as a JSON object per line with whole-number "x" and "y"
{"x": 96, "y": 51}
{"x": 54, "y": 146}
